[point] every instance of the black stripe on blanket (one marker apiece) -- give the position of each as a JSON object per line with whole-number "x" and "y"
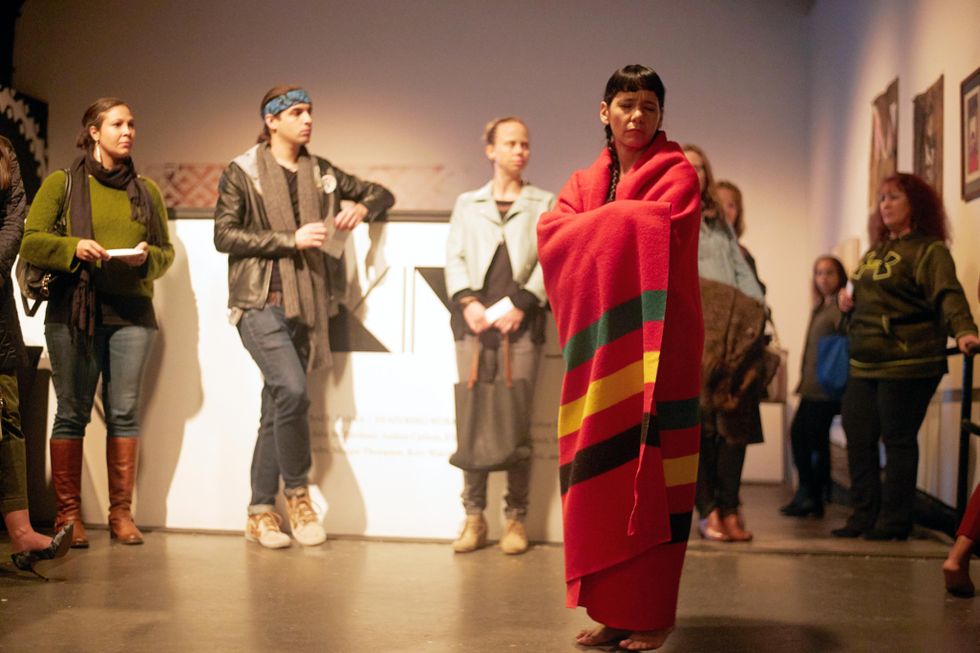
{"x": 623, "y": 447}
{"x": 601, "y": 457}
{"x": 680, "y": 527}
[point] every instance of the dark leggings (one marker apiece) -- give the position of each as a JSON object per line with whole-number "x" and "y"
{"x": 810, "y": 436}
{"x": 891, "y": 410}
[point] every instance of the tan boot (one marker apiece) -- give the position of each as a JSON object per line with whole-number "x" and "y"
{"x": 66, "y": 477}
{"x": 120, "y": 457}
{"x": 514, "y": 540}
{"x": 474, "y": 535}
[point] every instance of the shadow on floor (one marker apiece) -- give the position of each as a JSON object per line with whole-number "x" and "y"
{"x": 756, "y": 635}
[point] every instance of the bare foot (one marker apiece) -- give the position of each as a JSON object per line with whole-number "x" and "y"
{"x": 957, "y": 576}
{"x": 31, "y": 541}
{"x": 645, "y": 640}
{"x": 599, "y": 635}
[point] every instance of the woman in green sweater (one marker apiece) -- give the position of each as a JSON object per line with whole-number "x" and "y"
{"x": 906, "y": 300}
{"x": 100, "y": 319}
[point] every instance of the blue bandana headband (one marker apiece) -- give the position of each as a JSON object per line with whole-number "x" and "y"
{"x": 282, "y": 102}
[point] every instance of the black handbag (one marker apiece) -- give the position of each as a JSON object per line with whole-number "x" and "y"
{"x": 36, "y": 283}
{"x": 493, "y": 419}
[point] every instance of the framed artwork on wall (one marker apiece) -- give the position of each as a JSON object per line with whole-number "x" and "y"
{"x": 884, "y": 141}
{"x": 928, "y": 135}
{"x": 970, "y": 135}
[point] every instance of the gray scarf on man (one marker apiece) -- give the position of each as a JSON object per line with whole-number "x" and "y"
{"x": 305, "y": 287}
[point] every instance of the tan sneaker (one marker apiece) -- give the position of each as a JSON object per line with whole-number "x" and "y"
{"x": 263, "y": 528}
{"x": 514, "y": 540}
{"x": 474, "y": 535}
{"x": 303, "y": 520}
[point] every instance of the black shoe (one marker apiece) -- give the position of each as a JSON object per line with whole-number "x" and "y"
{"x": 879, "y": 535}
{"x": 791, "y": 506}
{"x": 803, "y": 509}
{"x": 60, "y": 543}
{"x": 847, "y": 531}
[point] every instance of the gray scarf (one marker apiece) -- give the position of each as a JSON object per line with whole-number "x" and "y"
{"x": 305, "y": 288}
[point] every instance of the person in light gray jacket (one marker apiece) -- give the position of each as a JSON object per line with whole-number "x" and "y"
{"x": 492, "y": 263}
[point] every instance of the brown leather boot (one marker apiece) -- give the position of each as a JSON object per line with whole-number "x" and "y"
{"x": 736, "y": 528}
{"x": 120, "y": 455}
{"x": 66, "y": 476}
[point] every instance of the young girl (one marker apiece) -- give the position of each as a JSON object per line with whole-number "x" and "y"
{"x": 811, "y": 425}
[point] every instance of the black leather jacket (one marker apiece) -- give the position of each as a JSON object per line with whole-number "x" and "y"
{"x": 241, "y": 229}
{"x": 12, "y": 210}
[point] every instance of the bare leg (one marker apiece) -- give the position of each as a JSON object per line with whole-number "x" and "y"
{"x": 599, "y": 635}
{"x": 645, "y": 640}
{"x": 956, "y": 569}
{"x": 23, "y": 537}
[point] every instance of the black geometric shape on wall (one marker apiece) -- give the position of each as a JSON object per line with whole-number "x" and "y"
{"x": 347, "y": 334}
{"x": 436, "y": 278}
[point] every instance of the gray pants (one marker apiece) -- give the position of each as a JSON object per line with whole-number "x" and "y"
{"x": 524, "y": 356}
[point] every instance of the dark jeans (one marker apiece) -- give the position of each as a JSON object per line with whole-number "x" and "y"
{"x": 891, "y": 410}
{"x": 13, "y": 459}
{"x": 810, "y": 436}
{"x": 118, "y": 354}
{"x": 524, "y": 356}
{"x": 281, "y": 349}
{"x": 719, "y": 471}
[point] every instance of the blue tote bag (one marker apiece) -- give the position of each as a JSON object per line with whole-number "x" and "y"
{"x": 833, "y": 358}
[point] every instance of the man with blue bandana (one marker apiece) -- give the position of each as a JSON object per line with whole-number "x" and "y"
{"x": 277, "y": 214}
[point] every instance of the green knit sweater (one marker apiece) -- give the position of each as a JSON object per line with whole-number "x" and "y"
{"x": 907, "y": 300}
{"x": 112, "y": 227}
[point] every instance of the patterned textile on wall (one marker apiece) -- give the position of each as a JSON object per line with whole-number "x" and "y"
{"x": 417, "y": 188}
{"x": 24, "y": 122}
{"x": 187, "y": 185}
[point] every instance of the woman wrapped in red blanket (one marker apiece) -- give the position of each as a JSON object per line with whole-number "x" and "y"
{"x": 620, "y": 265}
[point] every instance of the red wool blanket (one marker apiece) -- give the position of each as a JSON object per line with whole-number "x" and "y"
{"x": 622, "y": 279}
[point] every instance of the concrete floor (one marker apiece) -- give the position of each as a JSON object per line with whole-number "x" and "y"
{"x": 793, "y": 589}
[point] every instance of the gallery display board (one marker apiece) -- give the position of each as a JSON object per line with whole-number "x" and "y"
{"x": 382, "y": 419}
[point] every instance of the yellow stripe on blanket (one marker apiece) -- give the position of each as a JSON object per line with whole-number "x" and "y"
{"x": 681, "y": 471}
{"x": 607, "y": 391}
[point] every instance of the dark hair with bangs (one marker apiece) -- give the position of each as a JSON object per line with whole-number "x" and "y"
{"x": 628, "y": 79}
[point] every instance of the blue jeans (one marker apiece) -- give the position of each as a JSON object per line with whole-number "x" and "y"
{"x": 281, "y": 349}
{"x": 118, "y": 354}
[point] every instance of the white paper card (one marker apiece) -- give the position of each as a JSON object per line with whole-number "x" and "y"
{"x": 498, "y": 310}
{"x": 336, "y": 240}
{"x": 124, "y": 251}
